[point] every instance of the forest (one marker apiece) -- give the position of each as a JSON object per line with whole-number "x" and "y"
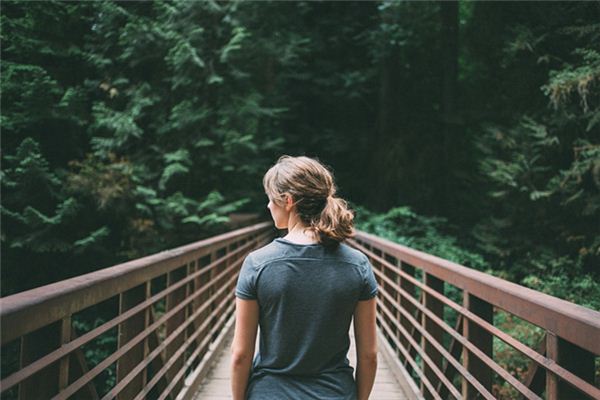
{"x": 469, "y": 130}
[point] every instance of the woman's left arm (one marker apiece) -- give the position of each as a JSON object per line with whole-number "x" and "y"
{"x": 242, "y": 348}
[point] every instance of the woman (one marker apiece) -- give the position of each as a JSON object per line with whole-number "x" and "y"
{"x": 303, "y": 290}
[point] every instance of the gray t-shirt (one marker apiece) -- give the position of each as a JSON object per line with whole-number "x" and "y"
{"x": 307, "y": 294}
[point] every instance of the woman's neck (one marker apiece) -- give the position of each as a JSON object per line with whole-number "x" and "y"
{"x": 301, "y": 234}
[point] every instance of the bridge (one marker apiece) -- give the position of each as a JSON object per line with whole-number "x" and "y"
{"x": 172, "y": 319}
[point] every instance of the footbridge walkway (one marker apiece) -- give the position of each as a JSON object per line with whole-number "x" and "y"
{"x": 159, "y": 327}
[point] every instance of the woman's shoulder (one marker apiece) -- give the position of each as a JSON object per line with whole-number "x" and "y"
{"x": 275, "y": 250}
{"x": 352, "y": 254}
{"x": 260, "y": 256}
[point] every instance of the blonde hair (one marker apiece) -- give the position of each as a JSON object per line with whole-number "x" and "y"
{"x": 312, "y": 188}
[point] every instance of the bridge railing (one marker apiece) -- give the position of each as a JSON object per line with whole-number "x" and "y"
{"x": 172, "y": 309}
{"x": 438, "y": 316}
{"x": 168, "y": 312}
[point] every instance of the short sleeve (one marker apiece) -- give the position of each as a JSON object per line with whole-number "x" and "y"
{"x": 369, "y": 289}
{"x": 246, "y": 283}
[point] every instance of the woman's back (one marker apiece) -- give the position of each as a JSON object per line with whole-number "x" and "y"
{"x": 307, "y": 294}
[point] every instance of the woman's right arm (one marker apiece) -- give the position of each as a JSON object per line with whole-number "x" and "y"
{"x": 365, "y": 335}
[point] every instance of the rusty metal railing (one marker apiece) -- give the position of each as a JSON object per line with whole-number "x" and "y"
{"x": 169, "y": 311}
{"x": 420, "y": 293}
{"x": 172, "y": 310}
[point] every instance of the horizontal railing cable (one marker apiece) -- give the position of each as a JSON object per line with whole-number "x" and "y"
{"x": 482, "y": 356}
{"x": 410, "y": 360}
{"x": 536, "y": 307}
{"x": 69, "y": 347}
{"x": 544, "y": 362}
{"x": 75, "y": 386}
{"x": 27, "y": 311}
{"x": 193, "y": 289}
{"x": 438, "y": 347}
{"x": 166, "y": 342}
{"x": 419, "y": 350}
{"x": 199, "y": 306}
{"x": 222, "y": 320}
{"x": 193, "y": 337}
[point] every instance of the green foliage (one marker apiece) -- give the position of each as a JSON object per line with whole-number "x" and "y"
{"x": 29, "y": 223}
{"x": 424, "y": 233}
{"x": 561, "y": 276}
{"x": 27, "y": 90}
{"x": 541, "y": 168}
{"x": 153, "y": 121}
{"x": 120, "y": 126}
{"x": 92, "y": 238}
{"x": 580, "y": 78}
{"x": 149, "y": 121}
{"x": 177, "y": 162}
{"x": 107, "y": 183}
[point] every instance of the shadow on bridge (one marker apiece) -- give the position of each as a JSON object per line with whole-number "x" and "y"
{"x": 171, "y": 316}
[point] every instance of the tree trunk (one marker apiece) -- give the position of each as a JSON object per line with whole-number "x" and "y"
{"x": 449, "y": 40}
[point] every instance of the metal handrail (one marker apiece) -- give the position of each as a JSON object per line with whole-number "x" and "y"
{"x": 415, "y": 326}
{"x": 166, "y": 354}
{"x": 200, "y": 279}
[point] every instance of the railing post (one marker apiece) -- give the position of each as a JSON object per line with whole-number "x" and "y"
{"x": 65, "y": 337}
{"x": 225, "y": 293}
{"x": 571, "y": 357}
{"x": 551, "y": 379}
{"x": 409, "y": 288}
{"x": 34, "y": 345}
{"x": 147, "y": 323}
{"x": 127, "y": 330}
{"x": 203, "y": 280}
{"x": 393, "y": 276}
{"x": 437, "y": 308}
{"x": 482, "y": 339}
{"x": 174, "y": 322}
{"x": 190, "y": 308}
{"x": 213, "y": 289}
{"x": 232, "y": 247}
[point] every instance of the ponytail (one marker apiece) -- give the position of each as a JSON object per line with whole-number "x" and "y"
{"x": 335, "y": 223}
{"x": 311, "y": 185}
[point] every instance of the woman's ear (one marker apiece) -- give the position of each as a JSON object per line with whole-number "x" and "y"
{"x": 289, "y": 202}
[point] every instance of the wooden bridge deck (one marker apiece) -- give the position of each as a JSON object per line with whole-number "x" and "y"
{"x": 216, "y": 386}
